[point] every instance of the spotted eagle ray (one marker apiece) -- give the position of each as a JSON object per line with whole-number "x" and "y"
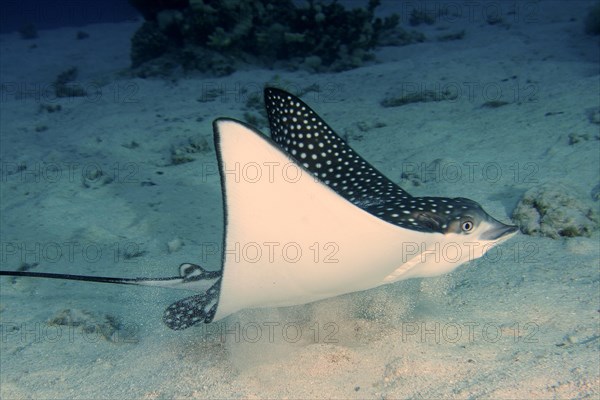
{"x": 307, "y": 218}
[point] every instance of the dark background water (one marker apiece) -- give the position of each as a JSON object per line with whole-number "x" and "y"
{"x": 49, "y": 14}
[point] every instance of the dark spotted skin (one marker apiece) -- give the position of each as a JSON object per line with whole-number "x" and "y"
{"x": 192, "y": 310}
{"x": 313, "y": 144}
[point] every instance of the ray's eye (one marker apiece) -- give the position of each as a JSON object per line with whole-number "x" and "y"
{"x": 467, "y": 226}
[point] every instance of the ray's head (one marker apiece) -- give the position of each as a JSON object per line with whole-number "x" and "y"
{"x": 459, "y": 216}
{"x": 467, "y": 233}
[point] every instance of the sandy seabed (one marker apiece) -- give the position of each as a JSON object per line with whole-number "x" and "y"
{"x": 101, "y": 196}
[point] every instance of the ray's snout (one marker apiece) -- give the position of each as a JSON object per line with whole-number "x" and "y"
{"x": 498, "y": 231}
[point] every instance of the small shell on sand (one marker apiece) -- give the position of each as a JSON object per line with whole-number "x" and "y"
{"x": 174, "y": 245}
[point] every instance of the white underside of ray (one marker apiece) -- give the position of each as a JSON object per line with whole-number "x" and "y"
{"x": 292, "y": 240}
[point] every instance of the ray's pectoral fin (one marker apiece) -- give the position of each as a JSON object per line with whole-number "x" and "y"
{"x": 194, "y": 309}
{"x": 191, "y": 277}
{"x": 191, "y": 273}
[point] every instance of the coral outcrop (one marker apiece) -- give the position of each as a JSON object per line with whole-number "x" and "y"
{"x": 555, "y": 210}
{"x": 220, "y": 36}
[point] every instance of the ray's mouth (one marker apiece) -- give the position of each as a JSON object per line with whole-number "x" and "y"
{"x": 501, "y": 231}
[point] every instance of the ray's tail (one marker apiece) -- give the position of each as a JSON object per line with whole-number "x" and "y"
{"x": 179, "y": 315}
{"x": 86, "y": 278}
